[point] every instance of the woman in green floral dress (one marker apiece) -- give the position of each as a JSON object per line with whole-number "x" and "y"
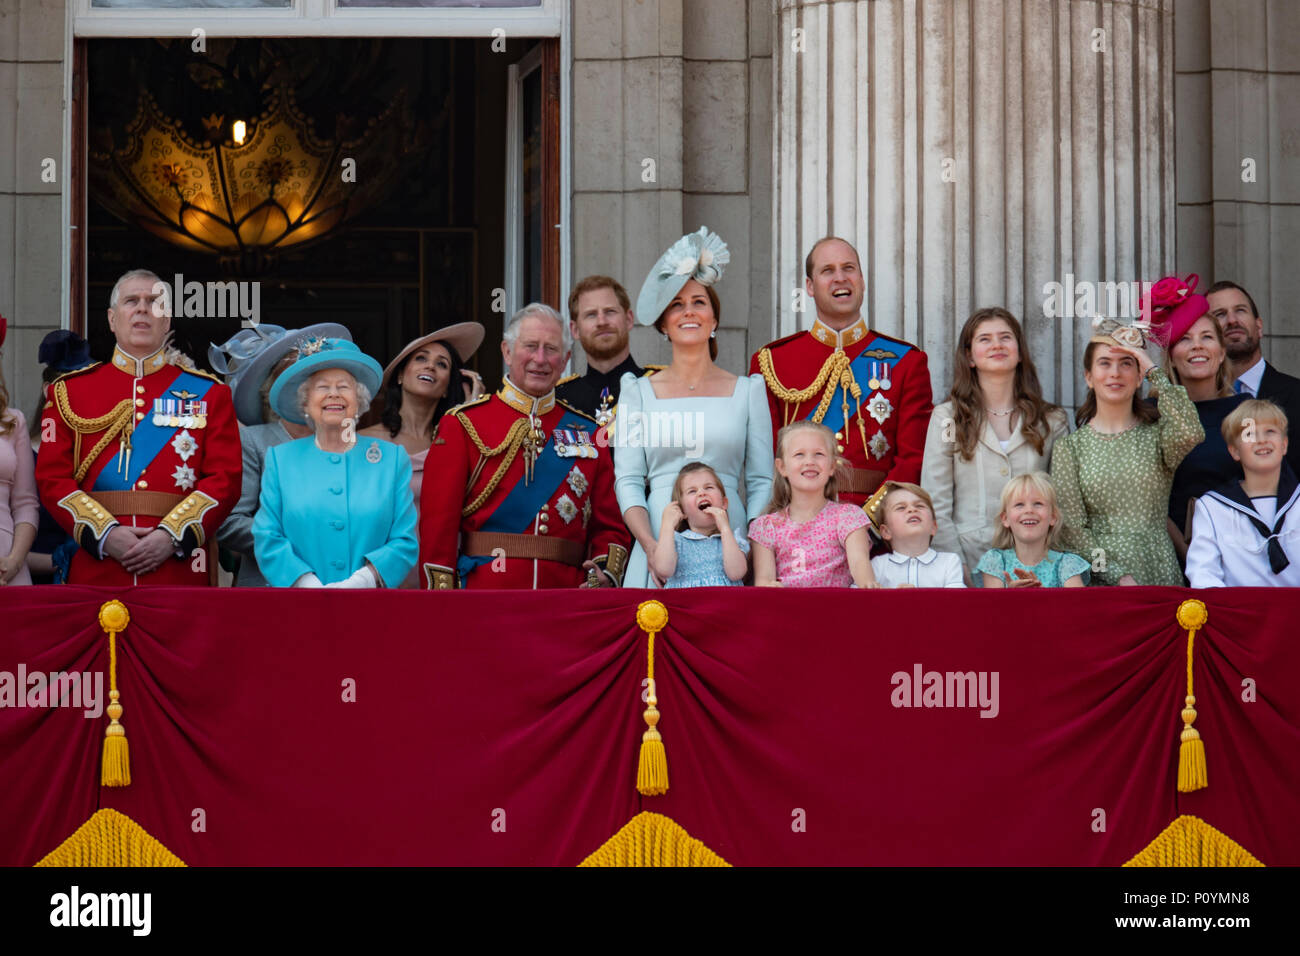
{"x": 1114, "y": 473}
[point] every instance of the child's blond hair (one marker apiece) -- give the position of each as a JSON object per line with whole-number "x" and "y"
{"x": 1251, "y": 412}
{"x": 781, "y": 485}
{"x": 1040, "y": 482}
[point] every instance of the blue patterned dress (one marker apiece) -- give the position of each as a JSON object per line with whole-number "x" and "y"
{"x": 699, "y": 560}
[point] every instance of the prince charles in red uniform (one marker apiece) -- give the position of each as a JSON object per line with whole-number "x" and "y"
{"x": 139, "y": 459}
{"x": 517, "y": 492}
{"x": 872, "y": 390}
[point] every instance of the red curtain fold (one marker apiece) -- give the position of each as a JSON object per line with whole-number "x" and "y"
{"x": 503, "y": 728}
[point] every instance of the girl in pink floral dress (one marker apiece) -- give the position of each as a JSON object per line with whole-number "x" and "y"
{"x": 807, "y": 539}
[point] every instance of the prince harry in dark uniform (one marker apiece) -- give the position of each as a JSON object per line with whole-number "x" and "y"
{"x": 600, "y": 317}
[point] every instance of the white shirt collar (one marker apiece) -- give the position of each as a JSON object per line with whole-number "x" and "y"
{"x": 927, "y": 557}
{"x": 1252, "y": 377}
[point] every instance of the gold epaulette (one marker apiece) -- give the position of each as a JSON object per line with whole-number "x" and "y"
{"x": 576, "y": 411}
{"x": 455, "y": 409}
{"x": 201, "y": 373}
{"x": 651, "y": 369}
{"x": 77, "y": 371}
{"x": 567, "y": 379}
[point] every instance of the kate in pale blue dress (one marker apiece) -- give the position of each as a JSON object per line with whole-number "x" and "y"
{"x": 654, "y": 437}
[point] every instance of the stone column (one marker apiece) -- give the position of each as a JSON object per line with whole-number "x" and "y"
{"x": 974, "y": 152}
{"x": 1238, "y": 85}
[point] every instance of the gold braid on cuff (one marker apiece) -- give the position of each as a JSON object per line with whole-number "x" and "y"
{"x": 189, "y": 513}
{"x": 614, "y": 563}
{"x": 437, "y": 577}
{"x": 87, "y": 513}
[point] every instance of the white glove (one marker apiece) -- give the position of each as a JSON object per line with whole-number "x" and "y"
{"x": 308, "y": 580}
{"x": 363, "y": 577}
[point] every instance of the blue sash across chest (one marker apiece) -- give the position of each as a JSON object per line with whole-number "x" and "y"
{"x": 148, "y": 439}
{"x": 523, "y": 502}
{"x": 877, "y": 356}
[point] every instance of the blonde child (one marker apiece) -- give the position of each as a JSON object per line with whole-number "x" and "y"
{"x": 907, "y": 522}
{"x": 806, "y": 538}
{"x": 1022, "y": 555}
{"x": 707, "y": 553}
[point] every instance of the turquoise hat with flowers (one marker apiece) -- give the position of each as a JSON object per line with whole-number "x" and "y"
{"x": 698, "y": 255}
{"x": 316, "y": 354}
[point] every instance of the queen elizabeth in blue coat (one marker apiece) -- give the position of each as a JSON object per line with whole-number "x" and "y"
{"x": 336, "y": 510}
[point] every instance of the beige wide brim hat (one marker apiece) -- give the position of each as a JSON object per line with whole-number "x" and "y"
{"x": 463, "y": 337}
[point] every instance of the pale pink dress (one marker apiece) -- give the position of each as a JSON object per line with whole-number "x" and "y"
{"x": 810, "y": 554}
{"x": 18, "y": 501}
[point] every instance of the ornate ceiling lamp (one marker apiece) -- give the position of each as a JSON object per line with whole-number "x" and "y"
{"x": 255, "y": 184}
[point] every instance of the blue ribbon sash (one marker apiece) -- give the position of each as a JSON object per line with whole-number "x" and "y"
{"x": 148, "y": 439}
{"x": 873, "y": 356}
{"x": 523, "y": 502}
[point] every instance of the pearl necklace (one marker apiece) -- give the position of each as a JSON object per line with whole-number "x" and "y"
{"x": 1002, "y": 413}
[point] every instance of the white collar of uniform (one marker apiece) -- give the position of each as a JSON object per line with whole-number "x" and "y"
{"x": 926, "y": 557}
{"x": 522, "y": 402}
{"x": 137, "y": 367}
{"x": 824, "y": 334}
{"x": 1253, "y": 376}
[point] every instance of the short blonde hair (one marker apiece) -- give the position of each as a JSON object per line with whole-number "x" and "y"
{"x": 1253, "y": 411}
{"x": 1040, "y": 482}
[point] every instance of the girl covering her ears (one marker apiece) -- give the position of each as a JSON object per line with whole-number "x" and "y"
{"x": 806, "y": 538}
{"x": 707, "y": 552}
{"x": 1030, "y": 523}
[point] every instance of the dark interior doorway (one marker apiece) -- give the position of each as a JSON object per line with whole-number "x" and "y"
{"x": 428, "y": 251}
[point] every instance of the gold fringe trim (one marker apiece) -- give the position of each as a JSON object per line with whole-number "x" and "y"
{"x": 1190, "y": 841}
{"x": 652, "y": 839}
{"x": 652, "y": 765}
{"x": 110, "y": 838}
{"x": 1191, "y": 615}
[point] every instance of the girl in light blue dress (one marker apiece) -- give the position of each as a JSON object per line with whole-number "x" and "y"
{"x": 690, "y": 410}
{"x": 697, "y": 547}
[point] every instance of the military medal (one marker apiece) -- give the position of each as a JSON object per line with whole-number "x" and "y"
{"x": 561, "y": 446}
{"x": 586, "y": 447}
{"x": 184, "y": 445}
{"x": 158, "y": 417}
{"x": 604, "y": 414}
{"x": 880, "y": 408}
{"x": 566, "y": 509}
{"x": 577, "y": 481}
{"x": 873, "y": 383}
{"x": 885, "y": 383}
{"x": 879, "y": 445}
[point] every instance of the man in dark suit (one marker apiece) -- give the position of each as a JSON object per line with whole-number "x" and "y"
{"x": 1239, "y": 318}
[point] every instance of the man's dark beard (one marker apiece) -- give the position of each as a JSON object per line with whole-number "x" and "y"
{"x": 600, "y": 354}
{"x": 1244, "y": 349}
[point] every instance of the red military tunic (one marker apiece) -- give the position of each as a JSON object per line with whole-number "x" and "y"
{"x": 477, "y": 464}
{"x": 883, "y": 434}
{"x": 183, "y": 477}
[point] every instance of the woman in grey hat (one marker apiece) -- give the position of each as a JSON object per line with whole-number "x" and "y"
{"x": 693, "y": 410}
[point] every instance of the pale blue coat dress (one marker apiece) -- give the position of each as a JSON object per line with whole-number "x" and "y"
{"x": 327, "y": 512}
{"x": 654, "y": 437}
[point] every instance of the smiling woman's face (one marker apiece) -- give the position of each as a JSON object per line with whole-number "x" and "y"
{"x": 428, "y": 371}
{"x": 332, "y": 398}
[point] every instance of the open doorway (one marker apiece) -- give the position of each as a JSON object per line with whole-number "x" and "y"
{"x": 448, "y": 215}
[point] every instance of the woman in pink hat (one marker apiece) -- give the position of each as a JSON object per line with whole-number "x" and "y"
{"x": 427, "y": 377}
{"x": 1198, "y": 361}
{"x": 1113, "y": 474}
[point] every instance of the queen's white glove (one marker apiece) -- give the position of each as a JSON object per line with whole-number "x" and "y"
{"x": 308, "y": 580}
{"x": 363, "y": 577}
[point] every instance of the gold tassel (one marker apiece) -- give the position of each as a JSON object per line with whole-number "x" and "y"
{"x": 1192, "y": 615}
{"x": 116, "y": 769}
{"x": 652, "y": 767}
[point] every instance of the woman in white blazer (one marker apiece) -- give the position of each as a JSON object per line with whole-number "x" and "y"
{"x": 995, "y": 425}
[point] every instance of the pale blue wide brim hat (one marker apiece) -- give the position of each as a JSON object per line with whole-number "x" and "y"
{"x": 698, "y": 255}
{"x": 317, "y": 355}
{"x": 248, "y": 356}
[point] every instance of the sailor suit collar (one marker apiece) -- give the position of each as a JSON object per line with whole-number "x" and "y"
{"x": 524, "y": 403}
{"x": 926, "y": 557}
{"x": 855, "y": 333}
{"x": 137, "y": 367}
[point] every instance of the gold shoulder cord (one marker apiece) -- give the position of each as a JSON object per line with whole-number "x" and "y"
{"x": 510, "y": 445}
{"x": 834, "y": 372}
{"x": 115, "y": 421}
